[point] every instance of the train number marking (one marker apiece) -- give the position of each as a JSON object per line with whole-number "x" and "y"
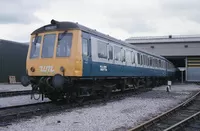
{"x": 103, "y": 68}
{"x": 46, "y": 69}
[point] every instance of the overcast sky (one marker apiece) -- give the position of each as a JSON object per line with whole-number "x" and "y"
{"x": 119, "y": 18}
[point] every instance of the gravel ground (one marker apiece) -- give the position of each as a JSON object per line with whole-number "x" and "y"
{"x": 19, "y": 100}
{"x": 13, "y": 87}
{"x": 118, "y": 115}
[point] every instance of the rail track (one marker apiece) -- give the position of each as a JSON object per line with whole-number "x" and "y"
{"x": 184, "y": 117}
{"x": 14, "y": 93}
{"x": 11, "y": 114}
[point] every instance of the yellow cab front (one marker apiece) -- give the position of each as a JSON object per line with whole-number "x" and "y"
{"x": 56, "y": 52}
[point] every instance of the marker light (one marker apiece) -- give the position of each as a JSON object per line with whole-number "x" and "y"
{"x": 32, "y": 69}
{"x": 62, "y": 69}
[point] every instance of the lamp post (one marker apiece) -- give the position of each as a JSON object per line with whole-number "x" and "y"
{"x": 181, "y": 69}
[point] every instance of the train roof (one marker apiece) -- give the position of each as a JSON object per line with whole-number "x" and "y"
{"x": 66, "y": 25}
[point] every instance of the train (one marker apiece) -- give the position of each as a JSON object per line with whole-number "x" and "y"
{"x": 67, "y": 60}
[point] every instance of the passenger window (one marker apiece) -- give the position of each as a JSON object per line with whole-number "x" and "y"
{"x": 153, "y": 62}
{"x": 128, "y": 56}
{"x": 85, "y": 47}
{"x": 117, "y": 53}
{"x": 110, "y": 49}
{"x": 133, "y": 57}
{"x": 138, "y": 58}
{"x": 102, "y": 49}
{"x": 156, "y": 62}
{"x": 150, "y": 61}
{"x": 123, "y": 58}
{"x": 146, "y": 63}
{"x": 160, "y": 63}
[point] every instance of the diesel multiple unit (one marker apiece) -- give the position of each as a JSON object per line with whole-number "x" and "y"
{"x": 69, "y": 60}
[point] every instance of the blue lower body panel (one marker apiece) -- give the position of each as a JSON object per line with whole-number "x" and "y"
{"x": 102, "y": 69}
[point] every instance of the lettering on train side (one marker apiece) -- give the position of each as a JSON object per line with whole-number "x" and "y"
{"x": 103, "y": 68}
{"x": 46, "y": 69}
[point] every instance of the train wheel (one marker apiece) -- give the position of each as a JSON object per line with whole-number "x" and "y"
{"x": 80, "y": 100}
{"x": 107, "y": 93}
{"x": 123, "y": 85}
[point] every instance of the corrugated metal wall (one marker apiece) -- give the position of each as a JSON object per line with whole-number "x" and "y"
{"x": 12, "y": 60}
{"x": 193, "y": 69}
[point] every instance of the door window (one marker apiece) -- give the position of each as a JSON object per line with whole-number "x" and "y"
{"x": 85, "y": 47}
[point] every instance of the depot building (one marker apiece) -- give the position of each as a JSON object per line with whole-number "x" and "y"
{"x": 182, "y": 51}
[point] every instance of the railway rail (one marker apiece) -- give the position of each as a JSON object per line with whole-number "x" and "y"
{"x": 185, "y": 116}
{"x": 14, "y": 93}
{"x": 11, "y": 114}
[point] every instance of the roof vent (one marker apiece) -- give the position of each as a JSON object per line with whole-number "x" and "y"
{"x": 170, "y": 36}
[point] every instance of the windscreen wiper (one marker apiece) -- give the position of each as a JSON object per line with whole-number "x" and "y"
{"x": 62, "y": 35}
{"x": 36, "y": 39}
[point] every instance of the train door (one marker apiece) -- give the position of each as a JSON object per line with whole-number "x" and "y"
{"x": 86, "y": 54}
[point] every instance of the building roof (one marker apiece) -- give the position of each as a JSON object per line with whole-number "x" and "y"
{"x": 164, "y": 39}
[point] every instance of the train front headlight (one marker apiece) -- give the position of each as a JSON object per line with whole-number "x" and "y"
{"x": 32, "y": 69}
